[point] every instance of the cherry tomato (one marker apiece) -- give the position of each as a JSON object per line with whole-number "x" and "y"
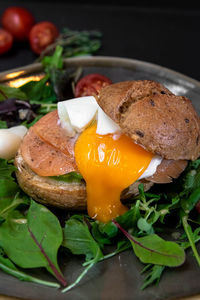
{"x": 42, "y": 35}
{"x": 6, "y": 41}
{"x": 18, "y": 21}
{"x": 198, "y": 207}
{"x": 91, "y": 85}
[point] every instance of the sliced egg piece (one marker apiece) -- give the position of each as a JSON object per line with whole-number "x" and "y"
{"x": 82, "y": 114}
{"x": 65, "y": 120}
{"x": 108, "y": 166}
{"x": 77, "y": 114}
{"x": 105, "y": 124}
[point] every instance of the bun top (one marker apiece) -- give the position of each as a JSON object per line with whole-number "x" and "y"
{"x": 153, "y": 117}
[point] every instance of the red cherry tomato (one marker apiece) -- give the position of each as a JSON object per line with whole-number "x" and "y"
{"x": 91, "y": 85}
{"x": 42, "y": 35}
{"x": 198, "y": 207}
{"x": 18, "y": 21}
{"x": 6, "y": 41}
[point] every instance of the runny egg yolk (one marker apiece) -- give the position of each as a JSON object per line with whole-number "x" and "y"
{"x": 108, "y": 165}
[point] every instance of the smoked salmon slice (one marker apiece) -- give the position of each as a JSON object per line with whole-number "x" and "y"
{"x": 48, "y": 128}
{"x": 46, "y": 148}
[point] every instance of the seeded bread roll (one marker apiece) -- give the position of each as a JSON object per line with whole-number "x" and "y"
{"x": 153, "y": 117}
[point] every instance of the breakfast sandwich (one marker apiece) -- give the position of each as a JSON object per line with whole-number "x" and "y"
{"x": 133, "y": 132}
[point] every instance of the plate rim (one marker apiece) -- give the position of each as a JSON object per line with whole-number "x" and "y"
{"x": 109, "y": 61}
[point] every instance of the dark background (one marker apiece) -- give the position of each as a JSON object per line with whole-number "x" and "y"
{"x": 162, "y": 32}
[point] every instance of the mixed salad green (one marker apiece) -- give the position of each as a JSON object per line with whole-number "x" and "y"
{"x": 32, "y": 236}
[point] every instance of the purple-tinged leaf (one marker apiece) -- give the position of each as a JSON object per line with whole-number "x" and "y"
{"x": 15, "y": 111}
{"x": 34, "y": 241}
{"x": 153, "y": 249}
{"x": 53, "y": 268}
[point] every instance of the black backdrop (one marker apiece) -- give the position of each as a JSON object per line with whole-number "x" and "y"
{"x": 166, "y": 33}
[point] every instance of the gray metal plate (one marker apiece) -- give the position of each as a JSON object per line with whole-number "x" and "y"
{"x": 119, "y": 277}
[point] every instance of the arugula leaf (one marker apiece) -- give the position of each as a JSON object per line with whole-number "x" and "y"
{"x": 101, "y": 239}
{"x": 33, "y": 241}
{"x": 62, "y": 80}
{"x": 78, "y": 239}
{"x": 155, "y": 250}
{"x": 191, "y": 237}
{"x": 156, "y": 271}
{"x": 28, "y": 125}
{"x": 151, "y": 213}
{"x": 8, "y": 188}
{"x": 153, "y": 276}
{"x": 54, "y": 61}
{"x": 145, "y": 226}
{"x": 188, "y": 203}
{"x": 191, "y": 176}
{"x": 130, "y": 218}
{"x": 107, "y": 229}
{"x": 195, "y": 238}
{"x": 11, "y": 92}
{"x": 9, "y": 204}
{"x": 166, "y": 208}
{"x": 6, "y": 169}
{"x": 69, "y": 177}
{"x": 45, "y": 108}
{"x": 3, "y": 124}
{"x": 39, "y": 92}
{"x": 76, "y": 43}
{"x": 7, "y": 266}
{"x": 80, "y": 42}
{"x": 122, "y": 245}
{"x": 191, "y": 183}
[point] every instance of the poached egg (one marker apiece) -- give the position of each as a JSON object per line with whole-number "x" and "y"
{"x": 108, "y": 160}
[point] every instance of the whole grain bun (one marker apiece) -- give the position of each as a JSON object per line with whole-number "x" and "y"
{"x": 61, "y": 194}
{"x": 153, "y": 117}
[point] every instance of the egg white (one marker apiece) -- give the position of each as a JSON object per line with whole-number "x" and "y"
{"x": 78, "y": 113}
{"x": 151, "y": 169}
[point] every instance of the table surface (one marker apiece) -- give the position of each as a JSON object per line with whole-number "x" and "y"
{"x": 167, "y": 35}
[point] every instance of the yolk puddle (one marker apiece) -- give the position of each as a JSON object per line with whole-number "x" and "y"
{"x": 108, "y": 166}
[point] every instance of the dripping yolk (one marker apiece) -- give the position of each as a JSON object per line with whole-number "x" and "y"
{"x": 108, "y": 165}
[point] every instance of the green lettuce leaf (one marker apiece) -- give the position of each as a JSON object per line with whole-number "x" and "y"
{"x": 69, "y": 177}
